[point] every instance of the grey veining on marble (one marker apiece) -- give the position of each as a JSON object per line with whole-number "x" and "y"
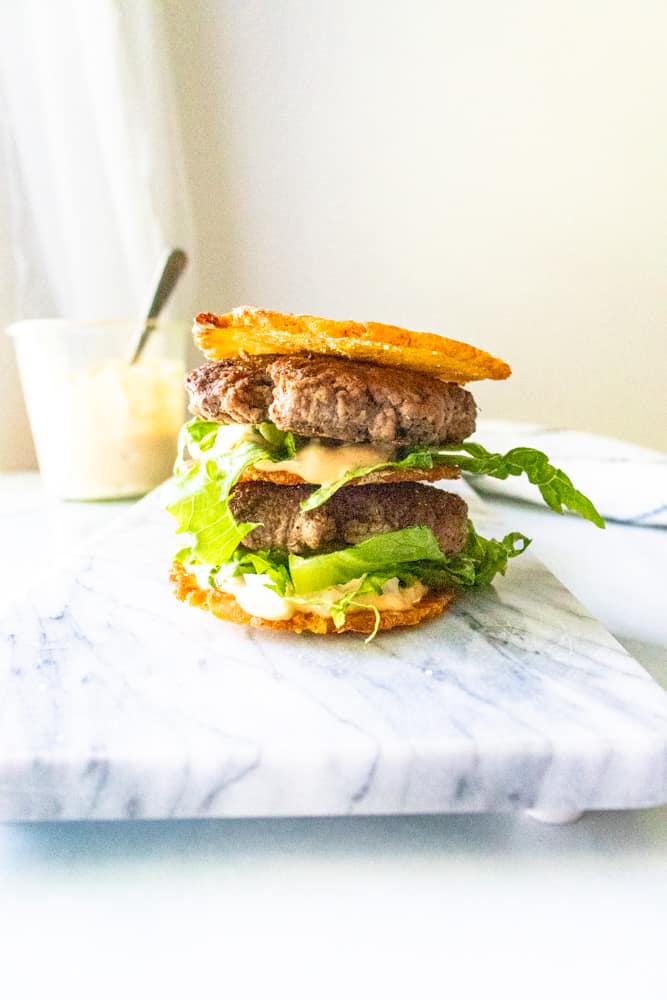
{"x": 117, "y": 701}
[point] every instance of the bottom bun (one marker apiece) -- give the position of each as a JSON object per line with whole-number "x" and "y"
{"x": 225, "y": 606}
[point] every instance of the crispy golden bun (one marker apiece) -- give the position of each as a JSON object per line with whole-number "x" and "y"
{"x": 225, "y": 606}
{"x": 258, "y": 331}
{"x": 282, "y": 478}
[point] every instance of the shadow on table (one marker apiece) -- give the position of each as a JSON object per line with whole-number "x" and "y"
{"x": 638, "y": 833}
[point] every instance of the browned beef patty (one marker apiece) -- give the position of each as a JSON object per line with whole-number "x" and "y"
{"x": 320, "y": 396}
{"x": 239, "y": 391}
{"x": 350, "y": 516}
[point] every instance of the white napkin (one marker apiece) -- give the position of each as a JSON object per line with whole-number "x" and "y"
{"x": 626, "y": 482}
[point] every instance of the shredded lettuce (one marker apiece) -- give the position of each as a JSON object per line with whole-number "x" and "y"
{"x": 367, "y": 585}
{"x": 274, "y": 564}
{"x": 409, "y": 554}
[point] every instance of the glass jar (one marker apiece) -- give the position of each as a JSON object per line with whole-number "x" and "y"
{"x": 103, "y": 428}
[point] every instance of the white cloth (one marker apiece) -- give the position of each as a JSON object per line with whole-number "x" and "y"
{"x": 95, "y": 157}
{"x": 626, "y": 482}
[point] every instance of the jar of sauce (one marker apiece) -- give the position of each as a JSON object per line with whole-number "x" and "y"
{"x": 103, "y": 428}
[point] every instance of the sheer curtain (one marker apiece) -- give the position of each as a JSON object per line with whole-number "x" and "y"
{"x": 96, "y": 186}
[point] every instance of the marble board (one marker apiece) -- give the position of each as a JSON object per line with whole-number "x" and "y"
{"x": 118, "y": 702}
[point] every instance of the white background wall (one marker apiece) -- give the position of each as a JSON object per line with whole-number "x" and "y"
{"x": 494, "y": 171}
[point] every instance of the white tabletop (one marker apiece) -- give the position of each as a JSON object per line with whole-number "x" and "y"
{"x": 381, "y": 906}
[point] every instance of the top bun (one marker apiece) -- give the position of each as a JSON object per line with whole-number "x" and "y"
{"x": 250, "y": 330}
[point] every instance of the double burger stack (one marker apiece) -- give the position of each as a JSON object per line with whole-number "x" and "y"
{"x": 322, "y": 402}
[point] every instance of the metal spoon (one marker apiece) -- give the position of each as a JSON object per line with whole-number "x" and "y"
{"x": 165, "y": 281}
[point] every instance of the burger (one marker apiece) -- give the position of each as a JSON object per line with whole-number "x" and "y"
{"x": 303, "y": 483}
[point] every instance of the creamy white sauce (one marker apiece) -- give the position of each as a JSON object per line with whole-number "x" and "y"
{"x": 253, "y": 594}
{"x": 256, "y": 598}
{"x": 319, "y": 464}
{"x": 314, "y": 463}
{"x": 200, "y": 573}
{"x": 111, "y": 431}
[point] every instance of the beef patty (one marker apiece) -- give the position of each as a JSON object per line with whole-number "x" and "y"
{"x": 321, "y": 396}
{"x": 348, "y": 517}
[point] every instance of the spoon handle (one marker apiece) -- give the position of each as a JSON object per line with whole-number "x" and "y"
{"x": 169, "y": 273}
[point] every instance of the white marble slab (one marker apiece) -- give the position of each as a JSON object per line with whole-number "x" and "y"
{"x": 116, "y": 701}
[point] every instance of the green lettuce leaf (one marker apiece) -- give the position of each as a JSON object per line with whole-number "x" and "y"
{"x": 283, "y": 444}
{"x": 313, "y": 573}
{"x": 198, "y": 500}
{"x": 201, "y": 432}
{"x": 557, "y": 489}
{"x": 269, "y": 562}
{"x": 409, "y": 554}
{"x": 419, "y": 460}
{"x": 194, "y": 437}
{"x": 555, "y": 486}
{"x": 478, "y": 562}
{"x": 204, "y": 477}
